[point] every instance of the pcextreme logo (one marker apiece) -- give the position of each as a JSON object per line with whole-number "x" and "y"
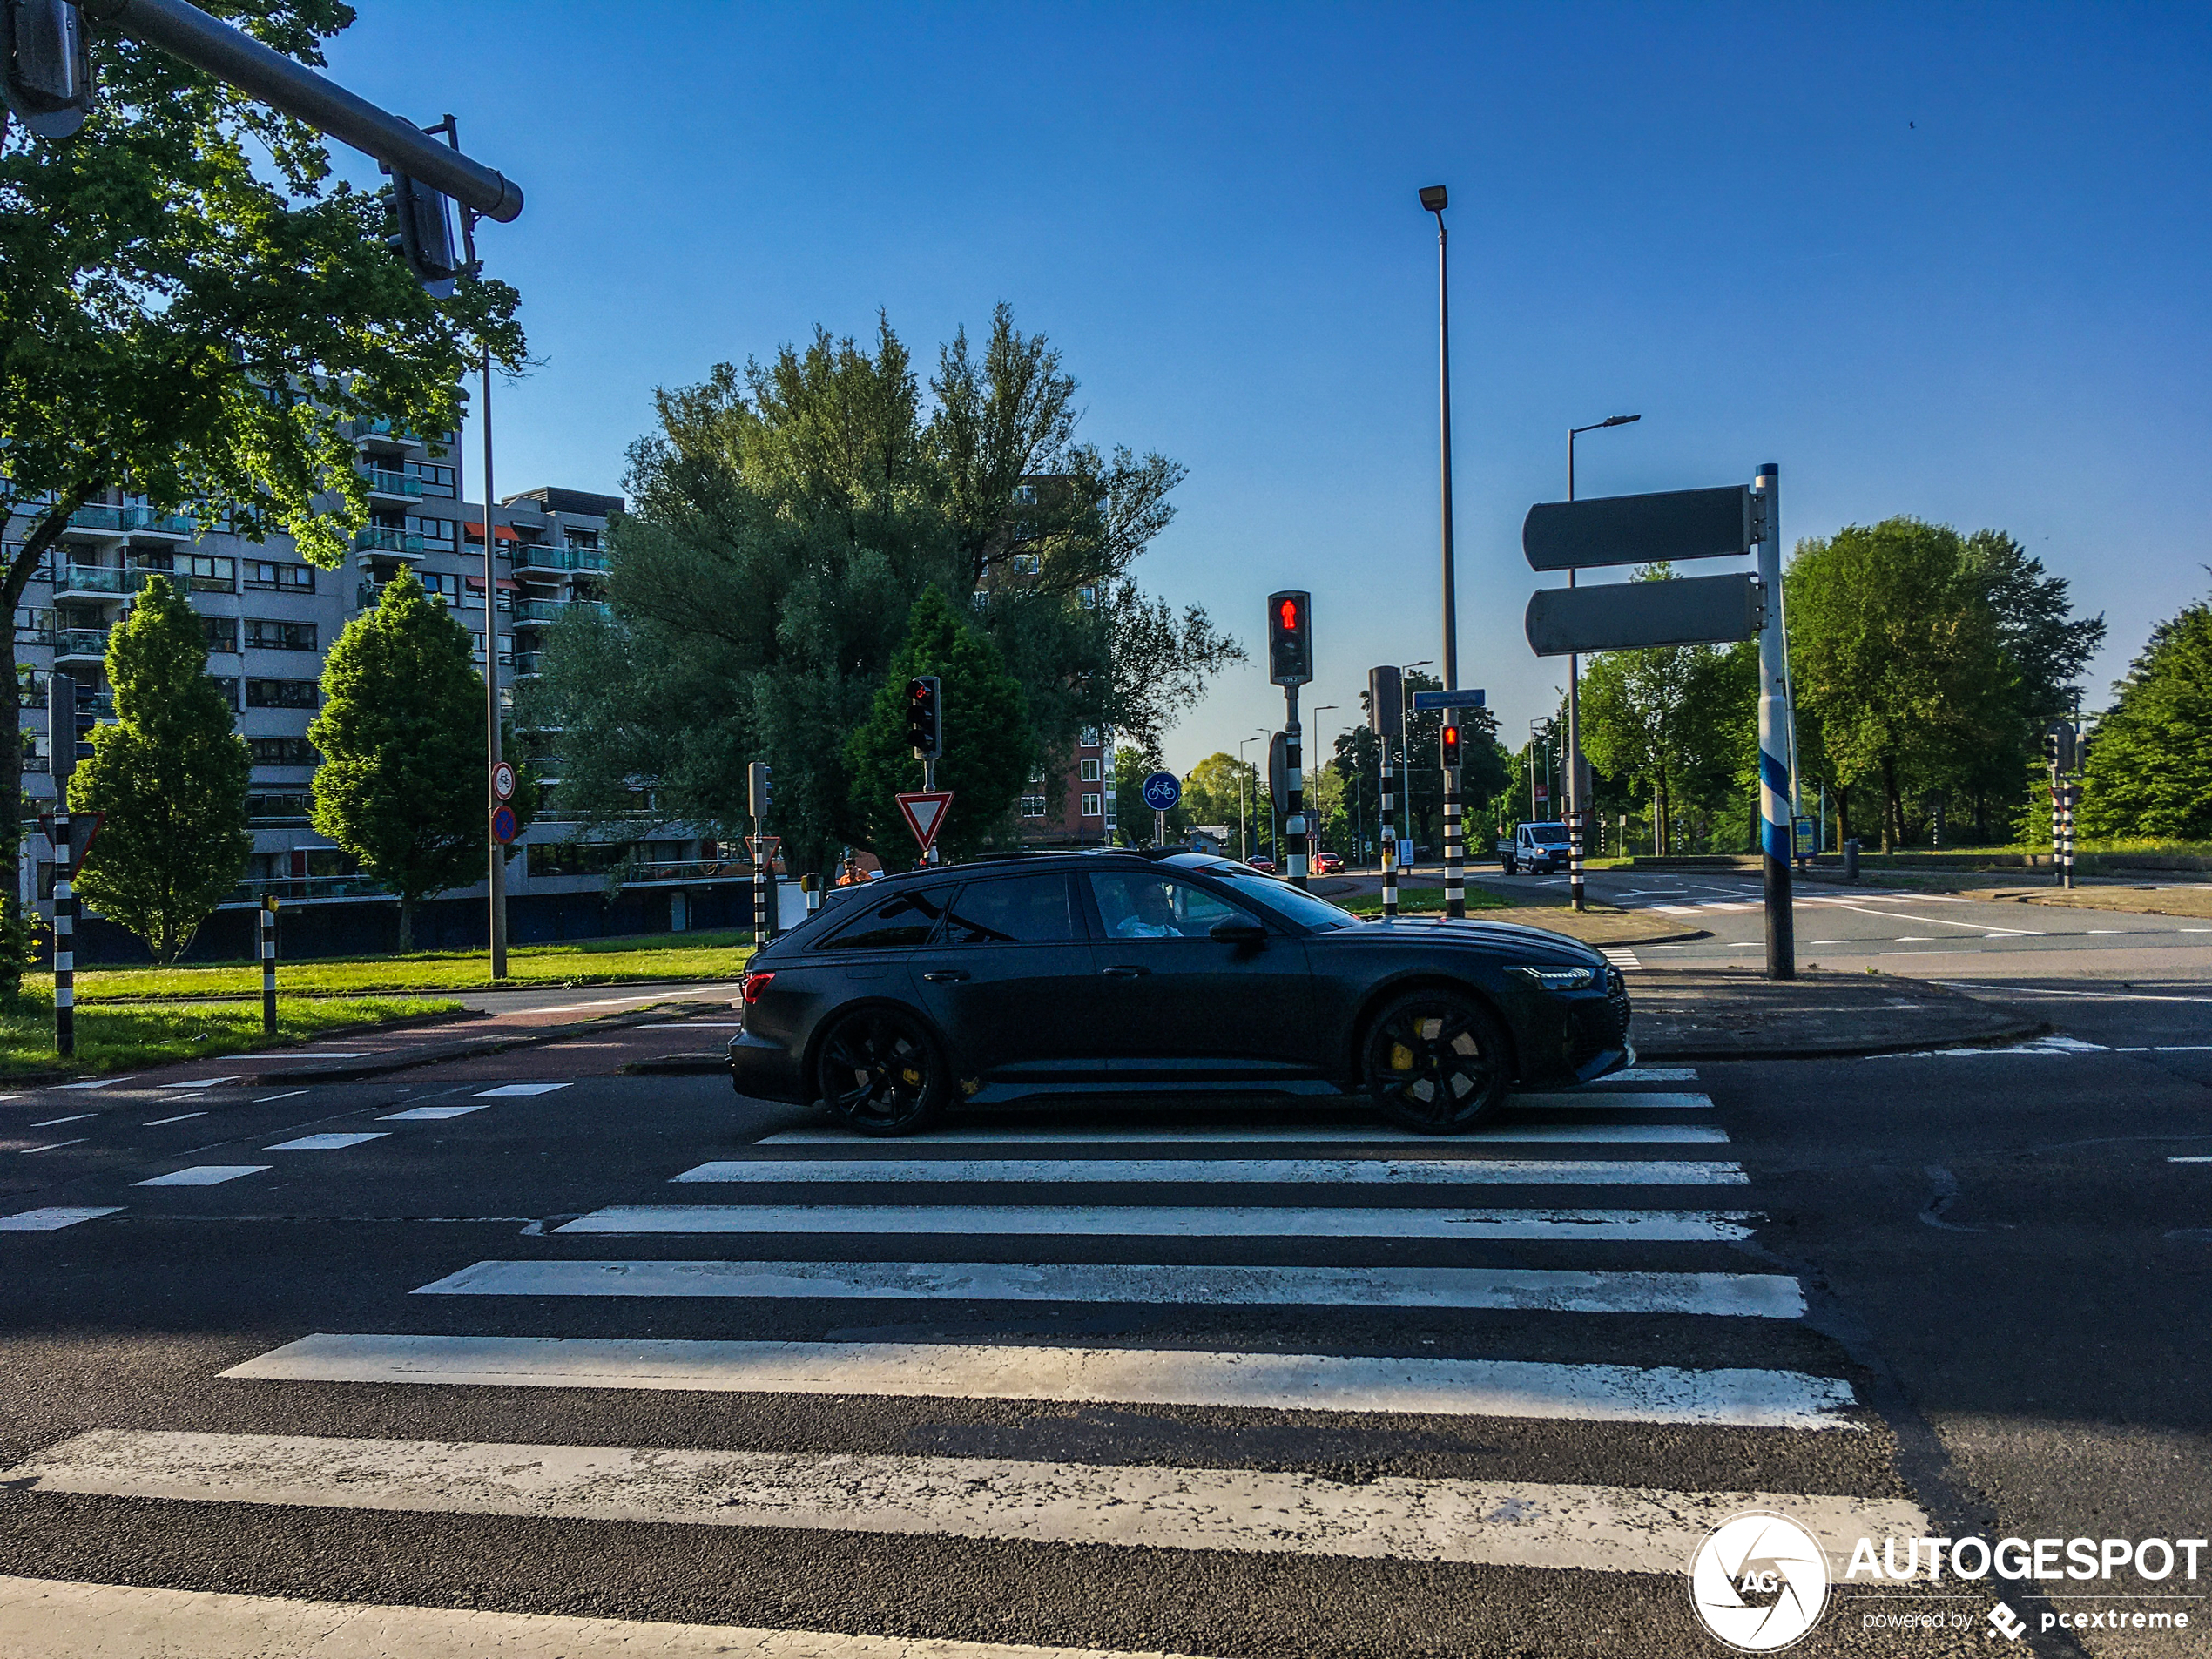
{"x": 1759, "y": 1582}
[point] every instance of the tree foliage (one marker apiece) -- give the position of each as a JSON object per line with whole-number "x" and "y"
{"x": 2150, "y": 768}
{"x": 170, "y": 775}
{"x": 193, "y": 311}
{"x": 787, "y": 517}
{"x": 985, "y": 729}
{"x": 401, "y": 732}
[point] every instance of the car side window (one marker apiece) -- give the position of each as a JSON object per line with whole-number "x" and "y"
{"x": 898, "y": 923}
{"x": 1025, "y": 910}
{"x": 1138, "y": 905}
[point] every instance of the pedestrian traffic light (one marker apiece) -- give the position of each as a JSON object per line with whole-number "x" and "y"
{"x": 1289, "y": 638}
{"x": 2058, "y": 746}
{"x": 925, "y": 716}
{"x": 1447, "y": 743}
{"x": 422, "y": 235}
{"x": 46, "y": 70}
{"x": 1387, "y": 701}
{"x": 759, "y": 781}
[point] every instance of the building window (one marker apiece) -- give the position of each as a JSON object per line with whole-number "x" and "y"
{"x": 283, "y": 751}
{"x": 1113, "y": 812}
{"x": 34, "y": 625}
{"x": 1025, "y": 495}
{"x": 983, "y": 598}
{"x": 574, "y": 858}
{"x": 1089, "y": 771}
{"x": 437, "y": 531}
{"x": 586, "y": 541}
{"x": 1087, "y": 737}
{"x": 204, "y": 573}
{"x": 221, "y": 633}
{"x": 436, "y": 481}
{"x": 287, "y": 808}
{"x": 228, "y": 688}
{"x": 446, "y": 586}
{"x": 1087, "y": 597}
{"x": 283, "y": 694}
{"x": 266, "y": 634}
{"x": 280, "y": 578}
{"x": 1092, "y": 805}
{"x": 1026, "y": 564}
{"x": 1033, "y": 806}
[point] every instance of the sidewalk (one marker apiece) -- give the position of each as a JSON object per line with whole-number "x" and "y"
{"x": 1691, "y": 1014}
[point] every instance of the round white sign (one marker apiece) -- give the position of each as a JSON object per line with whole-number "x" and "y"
{"x": 502, "y": 781}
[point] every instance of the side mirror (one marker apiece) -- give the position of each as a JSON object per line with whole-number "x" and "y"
{"x": 1237, "y": 931}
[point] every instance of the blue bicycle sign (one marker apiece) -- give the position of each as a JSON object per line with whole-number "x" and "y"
{"x": 1162, "y": 791}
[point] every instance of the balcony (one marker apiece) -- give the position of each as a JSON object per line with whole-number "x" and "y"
{"x": 112, "y": 521}
{"x": 528, "y": 662}
{"x": 544, "y": 555}
{"x": 301, "y": 889}
{"x": 538, "y": 613}
{"x": 381, "y": 482}
{"x": 80, "y": 643}
{"x": 378, "y": 539}
{"x": 688, "y": 870}
{"x": 95, "y": 581}
{"x": 384, "y": 429}
{"x": 145, "y": 522}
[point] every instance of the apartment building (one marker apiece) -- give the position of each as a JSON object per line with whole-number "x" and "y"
{"x": 270, "y": 617}
{"x": 1087, "y": 814}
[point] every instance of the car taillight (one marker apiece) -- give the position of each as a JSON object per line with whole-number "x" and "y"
{"x": 754, "y": 984}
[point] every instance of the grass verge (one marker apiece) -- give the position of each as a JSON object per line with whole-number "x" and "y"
{"x": 1415, "y": 900}
{"x": 578, "y": 963}
{"x": 128, "y": 1037}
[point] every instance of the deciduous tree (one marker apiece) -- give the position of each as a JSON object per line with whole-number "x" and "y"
{"x": 170, "y": 773}
{"x": 2150, "y": 766}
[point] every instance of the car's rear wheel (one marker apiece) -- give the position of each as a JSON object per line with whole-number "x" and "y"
{"x": 879, "y": 1071}
{"x": 1436, "y": 1061}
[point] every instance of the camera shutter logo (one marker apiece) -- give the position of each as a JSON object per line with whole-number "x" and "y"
{"x": 1760, "y": 1582}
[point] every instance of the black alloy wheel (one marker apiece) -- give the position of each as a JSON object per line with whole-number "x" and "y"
{"x": 880, "y": 1072}
{"x": 1436, "y": 1061}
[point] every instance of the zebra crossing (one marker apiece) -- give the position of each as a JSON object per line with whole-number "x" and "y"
{"x": 1319, "y": 1280}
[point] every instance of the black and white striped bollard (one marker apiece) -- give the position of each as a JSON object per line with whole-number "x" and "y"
{"x": 1389, "y": 836}
{"x": 64, "y": 941}
{"x": 268, "y": 963}
{"x": 1455, "y": 897}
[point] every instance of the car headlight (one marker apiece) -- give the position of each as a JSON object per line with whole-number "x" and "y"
{"x": 1561, "y": 979}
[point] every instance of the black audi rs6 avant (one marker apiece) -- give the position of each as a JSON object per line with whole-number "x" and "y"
{"x": 1121, "y": 973}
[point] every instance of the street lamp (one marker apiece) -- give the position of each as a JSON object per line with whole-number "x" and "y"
{"x": 1405, "y": 741}
{"x": 1321, "y": 709}
{"x": 1433, "y": 199}
{"x": 1243, "y": 840}
{"x": 1576, "y": 805}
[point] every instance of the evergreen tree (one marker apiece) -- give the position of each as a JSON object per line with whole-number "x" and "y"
{"x": 170, "y": 775}
{"x": 401, "y": 732}
{"x": 2150, "y": 766}
{"x": 988, "y": 744}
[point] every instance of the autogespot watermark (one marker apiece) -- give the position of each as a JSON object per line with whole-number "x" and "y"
{"x": 1761, "y": 1581}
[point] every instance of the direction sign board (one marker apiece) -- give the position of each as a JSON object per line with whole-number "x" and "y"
{"x": 1640, "y": 529}
{"x": 1465, "y": 698}
{"x": 1163, "y": 790}
{"x": 502, "y": 781}
{"x": 925, "y": 810}
{"x": 1627, "y": 616}
{"x": 504, "y": 824}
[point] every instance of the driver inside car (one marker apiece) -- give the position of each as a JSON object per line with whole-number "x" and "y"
{"x": 1153, "y": 917}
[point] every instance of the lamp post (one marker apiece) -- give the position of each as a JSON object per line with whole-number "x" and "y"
{"x": 1576, "y": 806}
{"x": 1243, "y": 788}
{"x": 1434, "y": 198}
{"x": 1313, "y": 841}
{"x": 1405, "y": 749}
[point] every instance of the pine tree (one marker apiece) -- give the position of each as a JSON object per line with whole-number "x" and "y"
{"x": 989, "y": 748}
{"x": 170, "y": 775}
{"x": 401, "y": 732}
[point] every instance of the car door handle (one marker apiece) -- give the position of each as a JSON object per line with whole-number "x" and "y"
{"x": 1125, "y": 970}
{"x": 945, "y": 975}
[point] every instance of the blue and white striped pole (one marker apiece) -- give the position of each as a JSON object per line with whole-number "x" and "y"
{"x": 1775, "y": 826}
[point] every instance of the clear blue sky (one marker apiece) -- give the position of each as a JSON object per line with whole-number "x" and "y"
{"x": 1950, "y": 261}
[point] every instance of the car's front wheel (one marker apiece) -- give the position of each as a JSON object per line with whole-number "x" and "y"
{"x": 1436, "y": 1061}
{"x": 880, "y": 1072}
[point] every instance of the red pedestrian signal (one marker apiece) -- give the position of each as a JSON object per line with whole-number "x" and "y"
{"x": 1289, "y": 638}
{"x": 925, "y": 717}
{"x": 1447, "y": 739}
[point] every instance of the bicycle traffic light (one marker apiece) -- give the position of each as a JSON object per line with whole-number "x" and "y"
{"x": 925, "y": 716}
{"x": 759, "y": 781}
{"x": 1289, "y": 638}
{"x": 45, "y": 69}
{"x": 1447, "y": 745}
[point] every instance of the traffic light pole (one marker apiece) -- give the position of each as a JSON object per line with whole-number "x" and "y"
{"x": 1777, "y": 831}
{"x": 1294, "y": 789}
{"x": 1389, "y": 837}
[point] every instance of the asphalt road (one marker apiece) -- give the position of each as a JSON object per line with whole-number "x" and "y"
{"x": 601, "y": 1347}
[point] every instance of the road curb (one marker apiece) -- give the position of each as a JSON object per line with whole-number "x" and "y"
{"x": 678, "y": 1065}
{"x": 471, "y": 1047}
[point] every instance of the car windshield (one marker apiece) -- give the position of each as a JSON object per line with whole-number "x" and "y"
{"x": 1293, "y": 903}
{"x": 1547, "y": 835}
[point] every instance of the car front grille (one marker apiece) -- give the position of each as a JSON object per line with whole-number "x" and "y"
{"x": 1616, "y": 997}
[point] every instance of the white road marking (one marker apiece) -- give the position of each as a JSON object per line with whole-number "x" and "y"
{"x": 1590, "y": 1393}
{"x": 52, "y": 1219}
{"x": 1932, "y": 921}
{"x": 179, "y": 1118}
{"x": 99, "y": 1082}
{"x": 428, "y": 1114}
{"x": 202, "y": 1083}
{"x": 1612, "y": 1101}
{"x": 1762, "y": 1296}
{"x": 2038, "y": 990}
{"x": 1620, "y": 957}
{"x": 288, "y": 1093}
{"x": 204, "y": 1175}
{"x": 50, "y": 1146}
{"x": 74, "y": 1117}
{"x": 1352, "y": 1171}
{"x": 302, "y": 1053}
{"x": 330, "y": 1143}
{"x": 507, "y": 1089}
{"x": 1173, "y": 1221}
{"x": 1488, "y": 1135}
{"x": 63, "y": 1621}
{"x": 1608, "y": 1529}
{"x": 2189, "y": 1160}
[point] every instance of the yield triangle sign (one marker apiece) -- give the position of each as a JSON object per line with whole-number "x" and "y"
{"x": 925, "y": 813}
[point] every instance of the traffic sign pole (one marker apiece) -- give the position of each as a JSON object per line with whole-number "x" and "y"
{"x": 1389, "y": 837}
{"x": 1294, "y": 784}
{"x": 1776, "y": 829}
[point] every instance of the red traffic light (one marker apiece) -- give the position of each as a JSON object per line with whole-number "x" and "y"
{"x": 1447, "y": 739}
